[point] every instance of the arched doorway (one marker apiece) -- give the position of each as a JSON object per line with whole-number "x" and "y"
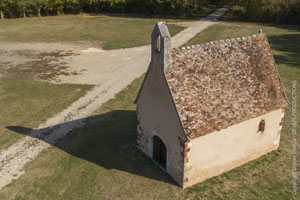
{"x": 159, "y": 151}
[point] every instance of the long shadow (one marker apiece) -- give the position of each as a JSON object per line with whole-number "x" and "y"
{"x": 289, "y": 44}
{"x": 108, "y": 140}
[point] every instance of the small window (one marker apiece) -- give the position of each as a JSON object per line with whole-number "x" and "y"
{"x": 261, "y": 127}
{"x": 158, "y": 43}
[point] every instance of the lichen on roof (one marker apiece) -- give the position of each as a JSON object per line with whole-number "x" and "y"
{"x": 218, "y": 84}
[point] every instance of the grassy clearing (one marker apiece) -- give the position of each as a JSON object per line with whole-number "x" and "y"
{"x": 29, "y": 103}
{"x": 26, "y": 101}
{"x": 108, "y": 32}
{"x": 100, "y": 161}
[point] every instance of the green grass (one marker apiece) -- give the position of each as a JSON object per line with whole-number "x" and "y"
{"x": 24, "y": 102}
{"x": 101, "y": 161}
{"x": 108, "y": 32}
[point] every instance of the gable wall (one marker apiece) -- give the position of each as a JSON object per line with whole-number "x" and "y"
{"x": 157, "y": 116}
{"x": 218, "y": 152}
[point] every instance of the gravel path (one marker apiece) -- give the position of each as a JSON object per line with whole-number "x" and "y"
{"x": 111, "y": 71}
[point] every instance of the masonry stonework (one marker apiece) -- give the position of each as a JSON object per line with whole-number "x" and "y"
{"x": 223, "y": 150}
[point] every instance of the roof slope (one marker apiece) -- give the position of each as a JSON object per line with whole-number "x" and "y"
{"x": 221, "y": 83}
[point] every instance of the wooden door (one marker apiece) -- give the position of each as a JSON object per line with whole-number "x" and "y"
{"x": 159, "y": 151}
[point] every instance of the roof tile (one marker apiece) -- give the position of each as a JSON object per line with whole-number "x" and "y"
{"x": 221, "y": 83}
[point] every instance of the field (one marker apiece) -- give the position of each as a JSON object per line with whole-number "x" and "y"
{"x": 28, "y": 103}
{"x": 101, "y": 161}
{"x": 100, "y": 31}
{"x": 27, "y": 97}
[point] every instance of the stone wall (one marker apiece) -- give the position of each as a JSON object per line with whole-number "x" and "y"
{"x": 221, "y": 151}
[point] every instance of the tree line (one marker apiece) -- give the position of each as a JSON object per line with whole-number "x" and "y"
{"x": 25, "y": 8}
{"x": 276, "y": 11}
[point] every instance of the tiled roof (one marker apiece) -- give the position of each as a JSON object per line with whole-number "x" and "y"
{"x": 221, "y": 83}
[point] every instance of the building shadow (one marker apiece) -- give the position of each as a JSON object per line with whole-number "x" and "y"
{"x": 108, "y": 140}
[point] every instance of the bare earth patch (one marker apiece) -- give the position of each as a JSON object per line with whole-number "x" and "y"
{"x": 38, "y": 65}
{"x": 39, "y": 61}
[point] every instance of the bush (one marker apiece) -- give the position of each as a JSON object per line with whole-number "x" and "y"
{"x": 238, "y": 10}
{"x": 276, "y": 11}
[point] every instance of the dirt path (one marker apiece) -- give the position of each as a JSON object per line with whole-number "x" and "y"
{"x": 111, "y": 71}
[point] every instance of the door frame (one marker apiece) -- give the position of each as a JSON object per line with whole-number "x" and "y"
{"x": 154, "y": 133}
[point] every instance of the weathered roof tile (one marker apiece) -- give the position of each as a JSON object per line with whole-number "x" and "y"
{"x": 218, "y": 84}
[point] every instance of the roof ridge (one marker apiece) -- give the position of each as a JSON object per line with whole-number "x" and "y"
{"x": 228, "y": 40}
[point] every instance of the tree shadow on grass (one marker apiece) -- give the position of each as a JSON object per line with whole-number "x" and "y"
{"x": 108, "y": 140}
{"x": 289, "y": 45}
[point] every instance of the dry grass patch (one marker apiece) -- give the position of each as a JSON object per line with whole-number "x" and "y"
{"x": 104, "y": 31}
{"x": 35, "y": 64}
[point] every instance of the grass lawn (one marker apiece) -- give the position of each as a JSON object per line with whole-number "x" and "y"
{"x": 101, "y": 161}
{"x": 24, "y": 102}
{"x": 108, "y": 32}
